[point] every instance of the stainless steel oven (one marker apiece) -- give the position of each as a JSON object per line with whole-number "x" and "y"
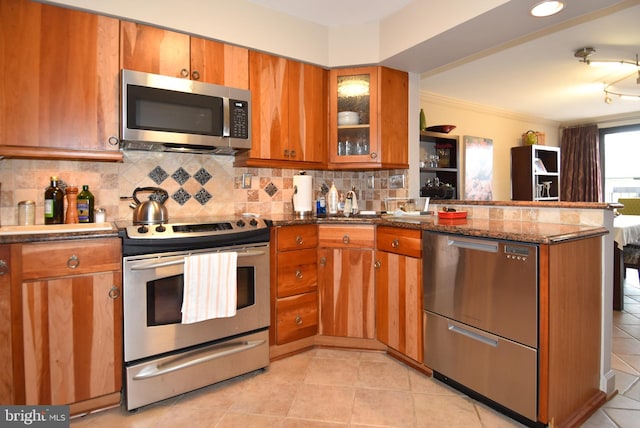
{"x": 164, "y": 357}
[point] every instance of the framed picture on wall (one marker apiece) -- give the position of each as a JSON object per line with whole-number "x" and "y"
{"x": 478, "y": 176}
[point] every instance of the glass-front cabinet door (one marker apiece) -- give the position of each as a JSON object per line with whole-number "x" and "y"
{"x": 353, "y": 116}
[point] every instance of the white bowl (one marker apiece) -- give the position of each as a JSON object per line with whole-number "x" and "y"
{"x": 348, "y": 118}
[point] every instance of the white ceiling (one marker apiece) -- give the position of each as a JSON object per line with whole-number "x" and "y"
{"x": 507, "y": 59}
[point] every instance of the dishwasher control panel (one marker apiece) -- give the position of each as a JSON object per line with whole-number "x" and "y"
{"x": 517, "y": 252}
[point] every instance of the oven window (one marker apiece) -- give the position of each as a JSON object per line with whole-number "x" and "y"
{"x": 164, "y": 296}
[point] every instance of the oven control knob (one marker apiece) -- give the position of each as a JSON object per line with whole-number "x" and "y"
{"x": 253, "y": 222}
{"x": 161, "y": 229}
{"x": 240, "y": 223}
{"x": 143, "y": 229}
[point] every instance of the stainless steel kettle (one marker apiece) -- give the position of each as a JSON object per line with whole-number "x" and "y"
{"x": 152, "y": 211}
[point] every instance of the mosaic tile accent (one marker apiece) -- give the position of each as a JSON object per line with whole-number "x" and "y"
{"x": 181, "y": 196}
{"x": 202, "y": 176}
{"x": 158, "y": 175}
{"x": 271, "y": 189}
{"x": 181, "y": 176}
{"x": 202, "y": 196}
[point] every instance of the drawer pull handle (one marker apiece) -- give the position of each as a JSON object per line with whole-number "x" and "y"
{"x": 395, "y": 243}
{"x": 345, "y": 239}
{"x": 323, "y": 261}
{"x": 298, "y": 274}
{"x": 299, "y": 240}
{"x": 114, "y": 292}
{"x": 377, "y": 264}
{"x": 73, "y": 262}
{"x": 298, "y": 320}
{"x": 4, "y": 267}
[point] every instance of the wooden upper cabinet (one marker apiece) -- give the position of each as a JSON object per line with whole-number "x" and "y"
{"x": 289, "y": 113}
{"x": 58, "y": 83}
{"x": 375, "y": 132}
{"x": 155, "y": 50}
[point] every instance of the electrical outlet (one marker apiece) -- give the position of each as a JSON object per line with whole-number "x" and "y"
{"x": 246, "y": 181}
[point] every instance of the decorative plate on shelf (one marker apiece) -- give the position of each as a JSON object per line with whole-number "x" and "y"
{"x": 444, "y": 129}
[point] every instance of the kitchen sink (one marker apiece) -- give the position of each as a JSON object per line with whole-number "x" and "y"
{"x": 54, "y": 228}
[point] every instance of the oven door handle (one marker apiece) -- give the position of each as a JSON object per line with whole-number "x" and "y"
{"x": 196, "y": 357}
{"x": 180, "y": 260}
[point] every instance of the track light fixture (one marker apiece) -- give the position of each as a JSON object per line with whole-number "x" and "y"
{"x": 633, "y": 67}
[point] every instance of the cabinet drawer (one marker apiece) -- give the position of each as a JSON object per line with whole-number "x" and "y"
{"x": 406, "y": 242}
{"x": 63, "y": 258}
{"x": 297, "y": 317}
{"x": 297, "y": 272}
{"x": 346, "y": 236}
{"x": 297, "y": 237}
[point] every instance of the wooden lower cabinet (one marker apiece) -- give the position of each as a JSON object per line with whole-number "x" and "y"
{"x": 294, "y": 283}
{"x": 6, "y": 354}
{"x": 398, "y": 276}
{"x": 346, "y": 280}
{"x": 68, "y": 302}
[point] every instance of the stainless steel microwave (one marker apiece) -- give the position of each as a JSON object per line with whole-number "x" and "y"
{"x": 162, "y": 113}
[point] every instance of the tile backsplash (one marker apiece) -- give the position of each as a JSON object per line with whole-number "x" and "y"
{"x": 198, "y": 185}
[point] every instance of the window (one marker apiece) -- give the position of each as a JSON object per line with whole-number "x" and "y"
{"x": 620, "y": 152}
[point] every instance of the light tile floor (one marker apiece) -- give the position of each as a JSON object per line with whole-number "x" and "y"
{"x": 341, "y": 388}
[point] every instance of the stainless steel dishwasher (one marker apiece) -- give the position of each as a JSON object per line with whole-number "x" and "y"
{"x": 481, "y": 318}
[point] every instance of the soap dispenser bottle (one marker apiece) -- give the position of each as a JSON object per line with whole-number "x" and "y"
{"x": 332, "y": 200}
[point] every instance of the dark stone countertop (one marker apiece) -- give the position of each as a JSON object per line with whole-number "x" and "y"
{"x": 533, "y": 232}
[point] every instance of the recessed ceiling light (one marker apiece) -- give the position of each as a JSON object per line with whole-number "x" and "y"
{"x": 547, "y": 8}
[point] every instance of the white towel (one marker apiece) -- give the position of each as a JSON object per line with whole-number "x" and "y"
{"x": 210, "y": 286}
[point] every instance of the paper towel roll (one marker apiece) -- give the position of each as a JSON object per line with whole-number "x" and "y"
{"x": 302, "y": 194}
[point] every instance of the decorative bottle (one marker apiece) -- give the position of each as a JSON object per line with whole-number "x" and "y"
{"x": 85, "y": 205}
{"x": 332, "y": 200}
{"x": 72, "y": 205}
{"x": 321, "y": 204}
{"x": 54, "y": 203}
{"x": 423, "y": 120}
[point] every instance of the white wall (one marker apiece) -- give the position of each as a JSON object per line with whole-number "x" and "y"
{"x": 504, "y": 128}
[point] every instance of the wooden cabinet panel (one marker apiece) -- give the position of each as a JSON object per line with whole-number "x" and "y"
{"x": 346, "y": 284}
{"x": 159, "y": 51}
{"x": 297, "y": 273}
{"x": 407, "y": 242}
{"x": 61, "y": 258}
{"x": 297, "y": 237}
{"x": 59, "y": 90}
{"x": 72, "y": 338}
{"x": 399, "y": 303}
{"x": 346, "y": 236}
{"x": 289, "y": 110}
{"x": 154, "y": 50}
{"x": 297, "y": 317}
{"x": 6, "y": 350}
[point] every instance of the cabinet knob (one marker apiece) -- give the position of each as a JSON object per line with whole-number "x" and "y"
{"x": 298, "y": 320}
{"x": 299, "y": 240}
{"x": 114, "y": 292}
{"x": 195, "y": 75}
{"x": 184, "y": 72}
{"x": 113, "y": 140}
{"x": 323, "y": 261}
{"x": 377, "y": 264}
{"x": 346, "y": 239}
{"x": 395, "y": 243}
{"x": 286, "y": 153}
{"x": 298, "y": 274}
{"x": 4, "y": 267}
{"x": 292, "y": 154}
{"x": 374, "y": 155}
{"x": 73, "y": 262}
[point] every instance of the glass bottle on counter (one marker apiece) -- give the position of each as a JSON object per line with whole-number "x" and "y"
{"x": 85, "y": 205}
{"x": 54, "y": 203}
